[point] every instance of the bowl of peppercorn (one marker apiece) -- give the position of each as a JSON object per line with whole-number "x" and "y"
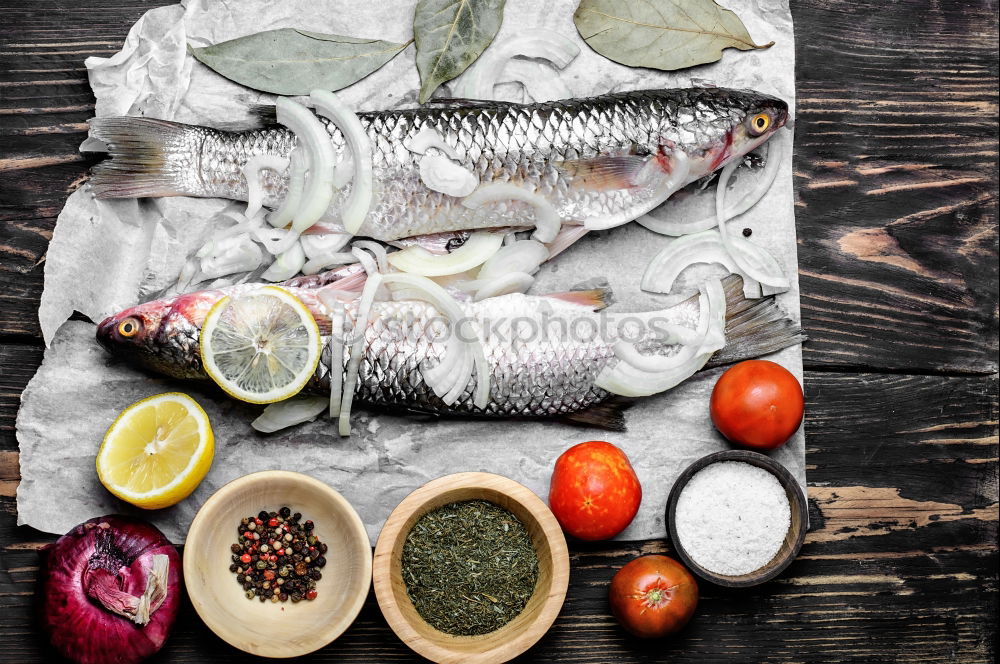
{"x": 471, "y": 568}
{"x": 277, "y": 563}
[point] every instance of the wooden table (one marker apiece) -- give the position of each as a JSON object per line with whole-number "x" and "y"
{"x": 896, "y": 180}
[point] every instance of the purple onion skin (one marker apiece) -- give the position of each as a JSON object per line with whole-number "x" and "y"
{"x": 79, "y": 627}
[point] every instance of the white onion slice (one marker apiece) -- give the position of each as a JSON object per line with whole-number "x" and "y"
{"x": 276, "y": 240}
{"x": 237, "y": 254}
{"x": 479, "y": 80}
{"x": 336, "y": 345}
{"x": 703, "y": 247}
{"x": 286, "y": 265}
{"x": 453, "y": 383}
{"x": 359, "y": 201}
{"x": 298, "y": 164}
{"x": 519, "y": 256}
{"x": 318, "y": 189}
{"x": 439, "y": 173}
{"x": 321, "y": 262}
{"x": 476, "y": 250}
{"x": 659, "y": 220}
{"x": 288, "y": 413}
{"x": 320, "y": 245}
{"x": 367, "y": 262}
{"x": 540, "y": 83}
{"x": 756, "y": 262}
{"x": 252, "y": 171}
{"x": 547, "y": 221}
{"x": 637, "y": 375}
{"x": 377, "y": 250}
{"x": 426, "y": 138}
{"x": 357, "y": 348}
{"x": 511, "y": 282}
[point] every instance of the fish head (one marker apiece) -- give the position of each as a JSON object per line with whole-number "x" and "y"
{"x": 161, "y": 335}
{"x": 714, "y": 126}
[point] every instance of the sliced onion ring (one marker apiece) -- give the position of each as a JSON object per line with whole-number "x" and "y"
{"x": 519, "y": 256}
{"x": 703, "y": 247}
{"x": 289, "y": 412}
{"x": 359, "y": 201}
{"x": 511, "y": 282}
{"x": 476, "y": 250}
{"x": 547, "y": 221}
{"x": 357, "y": 348}
{"x": 252, "y": 171}
{"x": 319, "y": 184}
{"x": 298, "y": 164}
{"x": 479, "y": 80}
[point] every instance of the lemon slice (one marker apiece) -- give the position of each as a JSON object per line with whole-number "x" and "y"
{"x": 262, "y": 346}
{"x": 157, "y": 451}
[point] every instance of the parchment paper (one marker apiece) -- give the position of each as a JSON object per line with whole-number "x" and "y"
{"x": 107, "y": 255}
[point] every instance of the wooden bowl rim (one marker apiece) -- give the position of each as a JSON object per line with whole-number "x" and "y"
{"x": 796, "y": 530}
{"x": 349, "y": 611}
{"x": 413, "y": 503}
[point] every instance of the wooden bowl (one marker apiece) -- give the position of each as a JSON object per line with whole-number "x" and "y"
{"x": 281, "y": 629}
{"x": 516, "y": 636}
{"x": 793, "y": 538}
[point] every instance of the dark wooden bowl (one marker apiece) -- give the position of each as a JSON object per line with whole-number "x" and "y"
{"x": 793, "y": 539}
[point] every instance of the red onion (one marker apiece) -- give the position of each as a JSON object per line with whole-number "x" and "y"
{"x": 111, "y": 589}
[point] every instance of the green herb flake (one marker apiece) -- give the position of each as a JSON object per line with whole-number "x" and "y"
{"x": 470, "y": 567}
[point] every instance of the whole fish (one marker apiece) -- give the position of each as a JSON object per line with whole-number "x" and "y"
{"x": 541, "y": 359}
{"x": 600, "y": 162}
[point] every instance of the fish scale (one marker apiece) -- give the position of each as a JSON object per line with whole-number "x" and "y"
{"x": 558, "y": 150}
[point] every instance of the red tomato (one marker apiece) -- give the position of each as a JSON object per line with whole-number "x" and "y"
{"x": 594, "y": 491}
{"x": 653, "y": 596}
{"x": 757, "y": 404}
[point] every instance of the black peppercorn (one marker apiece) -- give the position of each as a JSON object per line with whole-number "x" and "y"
{"x": 236, "y": 548}
{"x": 262, "y": 515}
{"x": 747, "y": 232}
{"x": 296, "y": 516}
{"x": 315, "y": 574}
{"x": 233, "y": 567}
{"x": 309, "y": 525}
{"x": 284, "y": 512}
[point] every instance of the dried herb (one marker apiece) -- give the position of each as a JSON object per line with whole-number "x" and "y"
{"x": 662, "y": 34}
{"x": 469, "y": 567}
{"x": 295, "y": 62}
{"x": 450, "y": 35}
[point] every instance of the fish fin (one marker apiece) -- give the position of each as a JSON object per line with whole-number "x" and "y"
{"x": 461, "y": 102}
{"x": 606, "y": 173}
{"x": 609, "y": 415}
{"x": 147, "y": 157}
{"x": 753, "y": 327}
{"x": 595, "y": 294}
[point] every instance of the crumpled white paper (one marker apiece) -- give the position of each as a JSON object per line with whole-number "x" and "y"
{"x": 107, "y": 255}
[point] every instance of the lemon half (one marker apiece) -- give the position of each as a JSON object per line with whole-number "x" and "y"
{"x": 261, "y": 346}
{"x": 157, "y": 451}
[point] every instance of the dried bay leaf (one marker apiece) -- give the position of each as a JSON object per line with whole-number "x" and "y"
{"x": 450, "y": 35}
{"x": 661, "y": 34}
{"x": 295, "y": 62}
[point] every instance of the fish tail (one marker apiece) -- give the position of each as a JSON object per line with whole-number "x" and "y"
{"x": 753, "y": 327}
{"x": 148, "y": 157}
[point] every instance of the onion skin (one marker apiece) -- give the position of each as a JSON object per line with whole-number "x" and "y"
{"x": 80, "y": 628}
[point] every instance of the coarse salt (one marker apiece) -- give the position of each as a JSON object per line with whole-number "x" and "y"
{"x": 732, "y": 517}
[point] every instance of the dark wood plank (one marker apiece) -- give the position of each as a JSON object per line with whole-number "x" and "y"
{"x": 895, "y": 170}
{"x": 903, "y": 547}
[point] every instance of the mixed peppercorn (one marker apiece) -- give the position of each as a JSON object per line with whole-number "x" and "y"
{"x": 277, "y": 557}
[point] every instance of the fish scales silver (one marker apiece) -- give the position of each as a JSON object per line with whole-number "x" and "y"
{"x": 592, "y": 158}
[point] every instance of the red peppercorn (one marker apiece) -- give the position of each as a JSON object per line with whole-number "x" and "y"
{"x": 257, "y": 521}
{"x": 272, "y": 523}
{"x": 248, "y": 535}
{"x": 245, "y": 558}
{"x": 274, "y": 558}
{"x": 281, "y": 552}
{"x": 268, "y": 574}
{"x": 311, "y": 595}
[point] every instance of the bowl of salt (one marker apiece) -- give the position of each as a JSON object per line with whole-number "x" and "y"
{"x": 736, "y": 518}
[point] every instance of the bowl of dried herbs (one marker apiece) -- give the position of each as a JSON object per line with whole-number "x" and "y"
{"x": 471, "y": 568}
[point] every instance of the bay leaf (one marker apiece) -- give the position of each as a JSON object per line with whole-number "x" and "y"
{"x": 295, "y": 62}
{"x": 450, "y": 35}
{"x": 661, "y": 34}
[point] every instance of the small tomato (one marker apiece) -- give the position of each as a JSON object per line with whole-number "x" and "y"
{"x": 757, "y": 404}
{"x": 594, "y": 491}
{"x": 653, "y": 596}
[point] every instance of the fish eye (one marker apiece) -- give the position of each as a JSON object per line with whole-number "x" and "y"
{"x": 759, "y": 123}
{"x": 129, "y": 327}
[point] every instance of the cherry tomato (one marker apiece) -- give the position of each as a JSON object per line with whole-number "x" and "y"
{"x": 594, "y": 491}
{"x": 757, "y": 404}
{"x": 653, "y": 596}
